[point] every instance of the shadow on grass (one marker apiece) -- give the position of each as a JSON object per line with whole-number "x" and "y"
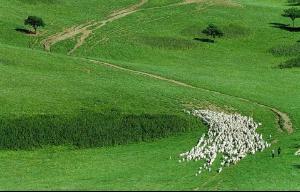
{"x": 25, "y": 31}
{"x": 204, "y": 40}
{"x": 296, "y": 166}
{"x": 293, "y": 3}
{"x": 285, "y": 27}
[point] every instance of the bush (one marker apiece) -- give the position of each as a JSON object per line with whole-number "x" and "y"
{"x": 286, "y": 50}
{"x": 295, "y": 62}
{"x": 90, "y": 129}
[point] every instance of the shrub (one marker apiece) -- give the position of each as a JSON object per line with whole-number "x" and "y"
{"x": 286, "y": 50}
{"x": 295, "y": 62}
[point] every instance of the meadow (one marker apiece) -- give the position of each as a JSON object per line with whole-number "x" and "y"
{"x": 109, "y": 115}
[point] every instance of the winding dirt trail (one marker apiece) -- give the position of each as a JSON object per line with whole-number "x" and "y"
{"x": 284, "y": 121}
{"x": 86, "y": 29}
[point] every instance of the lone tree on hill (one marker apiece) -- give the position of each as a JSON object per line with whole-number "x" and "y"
{"x": 293, "y": 13}
{"x": 34, "y": 22}
{"x": 213, "y": 31}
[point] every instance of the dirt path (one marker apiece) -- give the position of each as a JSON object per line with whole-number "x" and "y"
{"x": 86, "y": 29}
{"x": 284, "y": 121}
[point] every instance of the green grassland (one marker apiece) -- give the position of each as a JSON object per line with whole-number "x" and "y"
{"x": 69, "y": 123}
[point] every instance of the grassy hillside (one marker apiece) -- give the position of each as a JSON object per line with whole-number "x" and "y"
{"x": 56, "y": 103}
{"x": 54, "y": 99}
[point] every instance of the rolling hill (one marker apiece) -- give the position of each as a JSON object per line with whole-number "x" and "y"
{"x": 97, "y": 98}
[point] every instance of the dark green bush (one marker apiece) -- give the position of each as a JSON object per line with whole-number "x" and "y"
{"x": 295, "y": 62}
{"x": 90, "y": 129}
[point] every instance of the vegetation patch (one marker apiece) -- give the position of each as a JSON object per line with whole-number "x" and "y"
{"x": 90, "y": 129}
{"x": 295, "y": 62}
{"x": 34, "y": 2}
{"x": 6, "y": 62}
{"x": 235, "y": 31}
{"x": 65, "y": 46}
{"x": 286, "y": 50}
{"x": 169, "y": 43}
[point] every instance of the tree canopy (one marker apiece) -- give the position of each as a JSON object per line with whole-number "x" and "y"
{"x": 213, "y": 31}
{"x": 35, "y": 22}
{"x": 293, "y": 13}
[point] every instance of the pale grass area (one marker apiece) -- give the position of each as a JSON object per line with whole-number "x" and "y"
{"x": 228, "y": 3}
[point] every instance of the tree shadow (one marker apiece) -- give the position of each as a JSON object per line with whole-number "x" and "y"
{"x": 204, "y": 40}
{"x": 285, "y": 27}
{"x": 25, "y": 31}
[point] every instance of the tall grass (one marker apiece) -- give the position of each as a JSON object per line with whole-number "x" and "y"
{"x": 286, "y": 50}
{"x": 89, "y": 129}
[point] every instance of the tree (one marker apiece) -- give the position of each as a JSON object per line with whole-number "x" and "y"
{"x": 292, "y": 13}
{"x": 213, "y": 31}
{"x": 35, "y": 22}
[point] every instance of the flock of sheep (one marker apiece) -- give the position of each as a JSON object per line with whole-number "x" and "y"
{"x": 233, "y": 136}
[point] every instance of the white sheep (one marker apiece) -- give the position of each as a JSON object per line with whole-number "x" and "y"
{"x": 234, "y": 136}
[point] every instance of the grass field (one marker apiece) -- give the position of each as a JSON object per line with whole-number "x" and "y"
{"x": 70, "y": 122}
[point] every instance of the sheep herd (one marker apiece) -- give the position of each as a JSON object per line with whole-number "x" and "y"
{"x": 233, "y": 136}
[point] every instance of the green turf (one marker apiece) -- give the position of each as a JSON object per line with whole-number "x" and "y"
{"x": 144, "y": 166}
{"x": 38, "y": 86}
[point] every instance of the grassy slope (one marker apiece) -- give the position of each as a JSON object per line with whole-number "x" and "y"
{"x": 243, "y": 61}
{"x": 58, "y": 15}
{"x": 84, "y": 84}
{"x": 241, "y": 66}
{"x": 40, "y": 72}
